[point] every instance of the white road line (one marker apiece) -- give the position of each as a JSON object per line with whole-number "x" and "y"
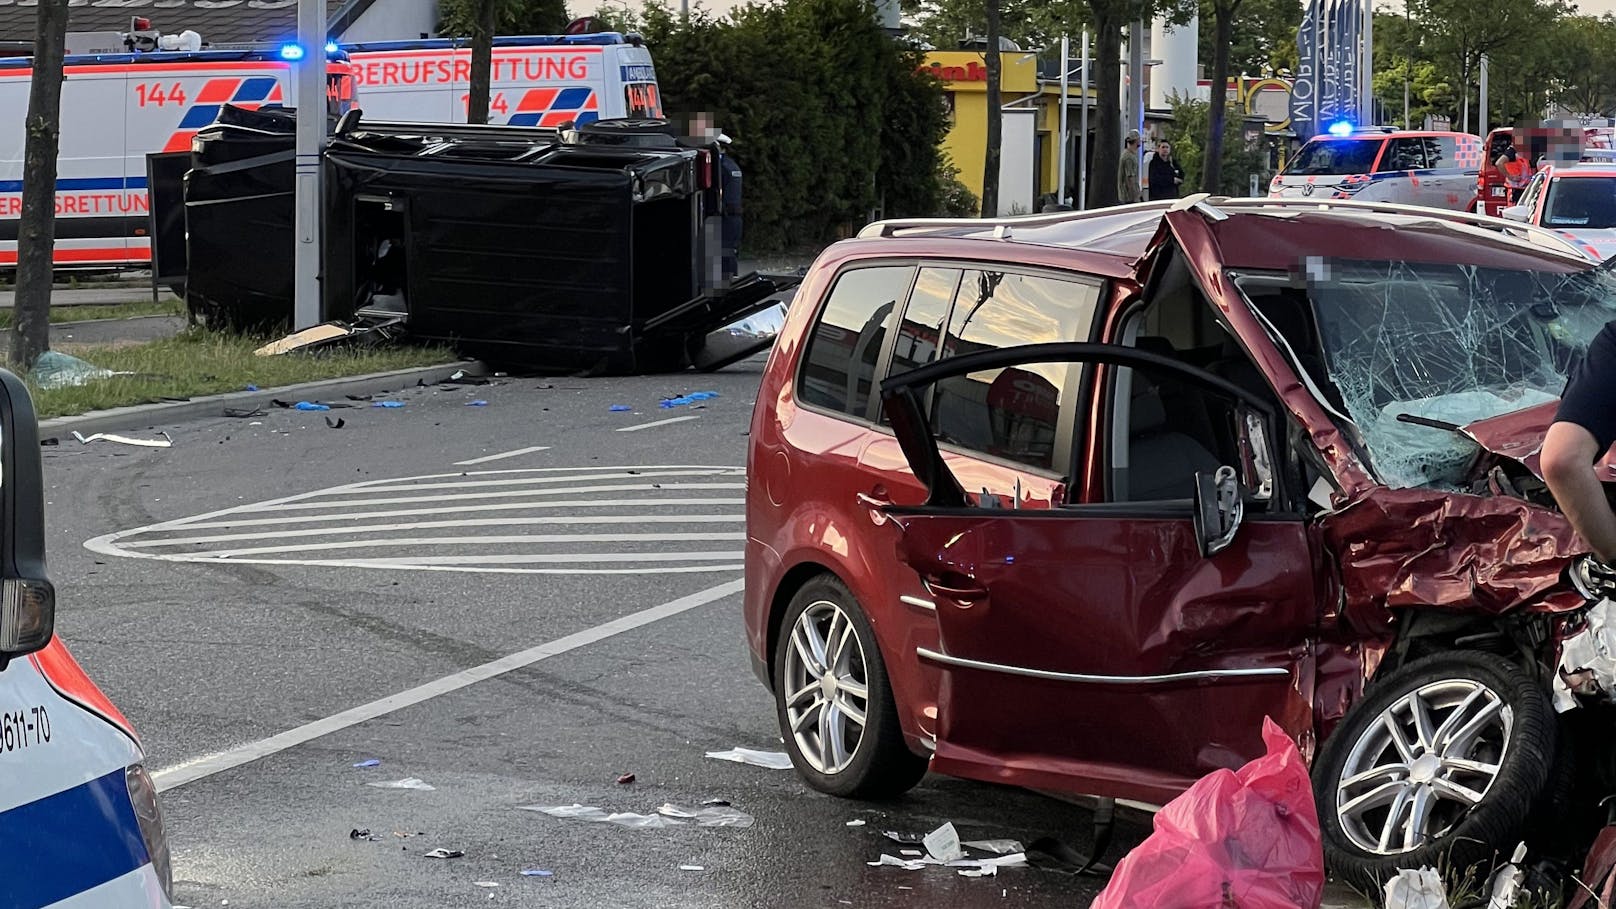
{"x": 465, "y": 483}
{"x": 475, "y": 540}
{"x": 431, "y": 525}
{"x": 502, "y": 559}
{"x": 200, "y": 768}
{"x": 532, "y": 449}
{"x": 450, "y": 509}
{"x": 506, "y": 494}
{"x": 641, "y": 426}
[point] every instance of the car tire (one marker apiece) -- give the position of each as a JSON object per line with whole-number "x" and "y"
{"x": 1463, "y": 791}
{"x": 877, "y": 763}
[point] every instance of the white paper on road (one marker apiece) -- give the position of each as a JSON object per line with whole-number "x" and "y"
{"x": 164, "y": 442}
{"x": 943, "y": 844}
{"x": 773, "y": 760}
{"x": 909, "y": 864}
{"x": 997, "y": 847}
{"x": 409, "y": 782}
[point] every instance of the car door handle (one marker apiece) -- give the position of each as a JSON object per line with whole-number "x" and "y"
{"x": 954, "y": 587}
{"x": 874, "y": 502}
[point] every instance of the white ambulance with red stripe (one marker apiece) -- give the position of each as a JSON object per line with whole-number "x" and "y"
{"x": 116, "y": 109}
{"x": 534, "y": 80}
{"x": 78, "y": 810}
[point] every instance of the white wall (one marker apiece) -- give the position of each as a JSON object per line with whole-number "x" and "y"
{"x": 394, "y": 20}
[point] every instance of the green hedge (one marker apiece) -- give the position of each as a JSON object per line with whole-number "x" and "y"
{"x": 829, "y": 115}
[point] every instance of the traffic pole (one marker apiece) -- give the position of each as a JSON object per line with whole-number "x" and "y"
{"x": 1064, "y": 169}
{"x": 309, "y": 67}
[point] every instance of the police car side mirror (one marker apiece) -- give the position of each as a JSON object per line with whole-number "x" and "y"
{"x": 27, "y": 599}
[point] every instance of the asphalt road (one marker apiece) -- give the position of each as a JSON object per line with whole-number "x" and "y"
{"x": 381, "y": 561}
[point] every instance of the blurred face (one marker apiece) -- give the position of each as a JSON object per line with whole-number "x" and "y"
{"x": 1165, "y": 150}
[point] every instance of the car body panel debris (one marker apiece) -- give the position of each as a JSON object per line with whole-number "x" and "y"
{"x": 164, "y": 442}
{"x": 773, "y": 760}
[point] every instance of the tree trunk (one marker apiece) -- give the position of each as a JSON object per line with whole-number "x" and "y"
{"x": 482, "y": 60}
{"x": 36, "y": 226}
{"x": 1217, "y": 109}
{"x": 990, "y": 160}
{"x": 1108, "y": 25}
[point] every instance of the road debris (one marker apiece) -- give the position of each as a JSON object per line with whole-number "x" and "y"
{"x": 338, "y": 423}
{"x": 997, "y": 847}
{"x": 691, "y": 398}
{"x": 361, "y": 833}
{"x": 390, "y": 405}
{"x": 600, "y": 815}
{"x": 621, "y": 408}
{"x": 404, "y": 835}
{"x": 369, "y": 762}
{"x": 943, "y": 844}
{"x": 477, "y": 403}
{"x": 406, "y": 783}
{"x": 243, "y": 413}
{"x": 1505, "y": 885}
{"x": 441, "y": 853}
{"x": 310, "y": 405}
{"x": 710, "y": 816}
{"x": 904, "y": 839}
{"x": 1412, "y": 889}
{"x": 486, "y": 883}
{"x": 164, "y": 442}
{"x": 856, "y": 823}
{"x": 772, "y": 760}
{"x": 691, "y": 868}
{"x": 625, "y": 779}
{"x": 537, "y": 872}
{"x": 54, "y": 369}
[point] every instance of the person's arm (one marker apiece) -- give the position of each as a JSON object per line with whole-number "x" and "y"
{"x": 1569, "y": 455}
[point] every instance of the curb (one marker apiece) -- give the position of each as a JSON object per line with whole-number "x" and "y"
{"x": 144, "y": 416}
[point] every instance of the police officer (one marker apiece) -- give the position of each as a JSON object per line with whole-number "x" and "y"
{"x": 730, "y": 200}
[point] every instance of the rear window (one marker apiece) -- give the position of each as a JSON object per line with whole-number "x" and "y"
{"x": 642, "y": 100}
{"x": 1335, "y": 157}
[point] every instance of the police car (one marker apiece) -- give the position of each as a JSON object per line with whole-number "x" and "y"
{"x": 118, "y": 108}
{"x": 79, "y": 825}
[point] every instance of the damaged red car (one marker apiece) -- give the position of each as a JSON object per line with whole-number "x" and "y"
{"x": 1073, "y": 502}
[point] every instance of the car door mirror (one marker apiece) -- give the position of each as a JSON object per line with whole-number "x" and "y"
{"x": 1522, "y": 213}
{"x": 27, "y": 599}
{"x": 1219, "y": 510}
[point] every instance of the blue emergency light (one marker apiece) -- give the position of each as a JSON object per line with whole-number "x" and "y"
{"x": 1340, "y": 128}
{"x": 331, "y": 47}
{"x": 291, "y": 52}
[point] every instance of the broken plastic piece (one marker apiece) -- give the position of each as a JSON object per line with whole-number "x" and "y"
{"x": 1588, "y": 658}
{"x": 691, "y": 398}
{"x": 537, "y": 872}
{"x": 1412, "y": 889}
{"x": 478, "y": 403}
{"x": 388, "y": 404}
{"x": 444, "y": 853}
{"x": 943, "y": 844}
{"x": 621, "y": 408}
{"x": 1506, "y": 882}
{"x": 243, "y": 413}
{"x": 309, "y": 405}
{"x": 773, "y": 760}
{"x": 907, "y": 864}
{"x": 907, "y": 839}
{"x": 361, "y": 833}
{"x": 691, "y": 868}
{"x": 601, "y": 815}
{"x": 369, "y": 762}
{"x": 997, "y": 847}
{"x": 1252, "y": 832}
{"x": 164, "y": 442}
{"x": 856, "y": 823}
{"x": 486, "y": 883}
{"x": 406, "y": 783}
{"x": 338, "y": 423}
{"x": 625, "y": 779}
{"x": 318, "y": 336}
{"x": 252, "y": 387}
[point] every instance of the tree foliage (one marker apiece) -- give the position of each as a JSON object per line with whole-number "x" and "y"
{"x": 831, "y": 117}
{"x": 1263, "y": 33}
{"x": 1190, "y": 132}
{"x": 512, "y": 17}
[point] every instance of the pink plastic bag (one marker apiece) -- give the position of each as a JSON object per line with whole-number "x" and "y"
{"x": 1246, "y": 838}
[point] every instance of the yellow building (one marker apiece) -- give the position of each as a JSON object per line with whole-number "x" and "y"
{"x": 1031, "y": 126}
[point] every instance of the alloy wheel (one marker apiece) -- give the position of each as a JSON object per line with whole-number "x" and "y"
{"x": 1422, "y": 765}
{"x": 826, "y": 687}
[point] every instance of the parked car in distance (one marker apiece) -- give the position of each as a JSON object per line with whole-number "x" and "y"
{"x": 1411, "y": 167}
{"x": 1577, "y": 201}
{"x": 1074, "y": 501}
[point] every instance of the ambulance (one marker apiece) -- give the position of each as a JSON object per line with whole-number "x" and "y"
{"x": 79, "y": 820}
{"x": 535, "y": 80}
{"x": 116, "y": 109}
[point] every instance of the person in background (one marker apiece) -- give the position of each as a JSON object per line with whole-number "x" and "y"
{"x": 1583, "y": 429}
{"x": 730, "y": 176}
{"x": 1165, "y": 175}
{"x": 1128, "y": 170}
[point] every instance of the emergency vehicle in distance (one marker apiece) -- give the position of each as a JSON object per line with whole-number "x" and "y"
{"x": 536, "y": 80}
{"x": 116, "y": 109}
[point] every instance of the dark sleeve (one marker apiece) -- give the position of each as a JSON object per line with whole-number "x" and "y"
{"x": 1590, "y": 395}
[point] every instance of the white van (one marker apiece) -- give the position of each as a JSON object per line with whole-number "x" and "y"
{"x": 1410, "y": 167}
{"x": 116, "y": 109}
{"x": 535, "y": 80}
{"x": 78, "y": 810}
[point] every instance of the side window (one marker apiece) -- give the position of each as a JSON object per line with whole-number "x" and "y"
{"x": 1404, "y": 154}
{"x": 1013, "y": 413}
{"x": 838, "y": 369}
{"x": 1443, "y": 151}
{"x": 920, "y": 333}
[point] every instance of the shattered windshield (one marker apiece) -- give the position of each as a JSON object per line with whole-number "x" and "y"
{"x": 1447, "y": 343}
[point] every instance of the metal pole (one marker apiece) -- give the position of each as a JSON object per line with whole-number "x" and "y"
{"x": 1408, "y": 60}
{"x": 1136, "y": 76}
{"x": 1366, "y": 102}
{"x": 1482, "y": 114}
{"x": 309, "y": 77}
{"x": 1083, "y": 130}
{"x": 1066, "y": 65}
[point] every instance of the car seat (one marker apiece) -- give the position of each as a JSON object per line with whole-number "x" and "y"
{"x": 1162, "y": 462}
